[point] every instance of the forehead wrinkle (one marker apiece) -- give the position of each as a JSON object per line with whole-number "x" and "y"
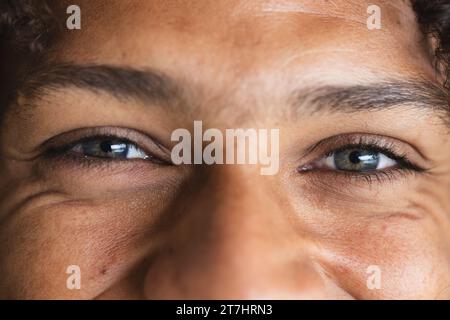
{"x": 311, "y": 12}
{"x": 400, "y": 6}
{"x": 355, "y": 13}
{"x": 288, "y": 7}
{"x": 307, "y": 52}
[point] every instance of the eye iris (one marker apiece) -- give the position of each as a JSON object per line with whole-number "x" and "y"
{"x": 356, "y": 160}
{"x": 106, "y": 149}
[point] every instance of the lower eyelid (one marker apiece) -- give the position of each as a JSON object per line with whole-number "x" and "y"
{"x": 360, "y": 178}
{"x": 79, "y": 162}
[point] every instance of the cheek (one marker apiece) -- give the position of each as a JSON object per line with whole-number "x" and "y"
{"x": 408, "y": 258}
{"x": 106, "y": 240}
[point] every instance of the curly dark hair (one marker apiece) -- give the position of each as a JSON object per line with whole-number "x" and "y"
{"x": 28, "y": 27}
{"x": 433, "y": 17}
{"x": 29, "y": 24}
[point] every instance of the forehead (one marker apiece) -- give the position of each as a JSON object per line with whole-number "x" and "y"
{"x": 259, "y": 42}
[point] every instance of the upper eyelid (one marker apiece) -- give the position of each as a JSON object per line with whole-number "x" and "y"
{"x": 371, "y": 147}
{"x": 365, "y": 138}
{"x": 343, "y": 141}
{"x": 93, "y": 138}
{"x": 89, "y": 133}
{"x": 340, "y": 141}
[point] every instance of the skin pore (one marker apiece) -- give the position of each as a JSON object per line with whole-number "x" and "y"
{"x": 149, "y": 229}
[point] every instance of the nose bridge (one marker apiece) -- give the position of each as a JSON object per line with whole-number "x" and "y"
{"x": 234, "y": 203}
{"x": 234, "y": 240}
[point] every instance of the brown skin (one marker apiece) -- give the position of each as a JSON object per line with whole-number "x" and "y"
{"x": 143, "y": 230}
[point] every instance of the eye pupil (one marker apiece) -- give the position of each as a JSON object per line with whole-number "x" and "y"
{"x": 354, "y": 157}
{"x": 105, "y": 146}
{"x": 356, "y": 160}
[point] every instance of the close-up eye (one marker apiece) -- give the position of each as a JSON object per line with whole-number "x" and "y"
{"x": 357, "y": 160}
{"x": 362, "y": 155}
{"x": 104, "y": 144}
{"x": 109, "y": 148}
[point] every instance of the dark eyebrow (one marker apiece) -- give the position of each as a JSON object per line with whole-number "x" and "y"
{"x": 120, "y": 82}
{"x": 154, "y": 86}
{"x": 408, "y": 94}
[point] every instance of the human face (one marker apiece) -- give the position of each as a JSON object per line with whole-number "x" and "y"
{"x": 139, "y": 227}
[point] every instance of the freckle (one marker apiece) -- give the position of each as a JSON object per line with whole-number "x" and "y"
{"x": 103, "y": 271}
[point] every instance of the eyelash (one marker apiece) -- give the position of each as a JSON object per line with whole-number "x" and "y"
{"x": 64, "y": 152}
{"x": 403, "y": 168}
{"x": 404, "y": 165}
{"x": 388, "y": 151}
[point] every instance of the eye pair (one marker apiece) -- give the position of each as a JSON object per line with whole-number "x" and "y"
{"x": 352, "y": 158}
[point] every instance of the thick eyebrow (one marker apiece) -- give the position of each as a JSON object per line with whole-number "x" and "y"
{"x": 121, "y": 82}
{"x": 406, "y": 94}
{"x": 154, "y": 86}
